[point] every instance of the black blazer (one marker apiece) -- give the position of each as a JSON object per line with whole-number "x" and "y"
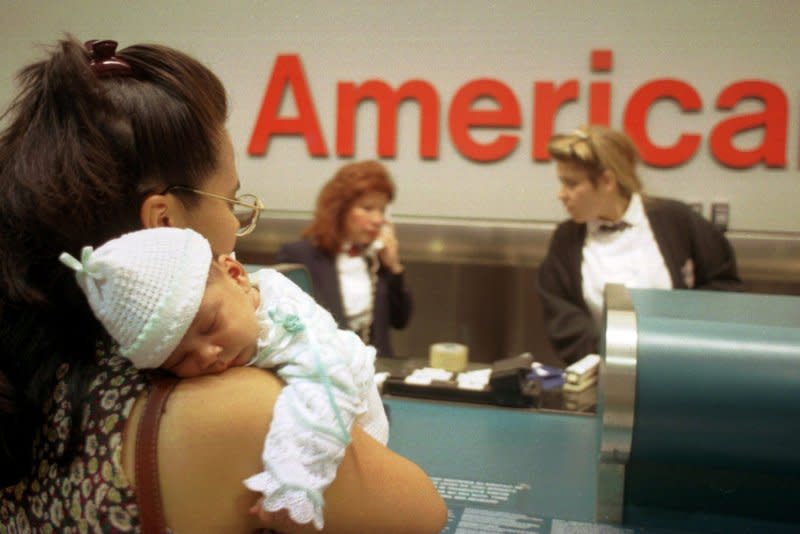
{"x": 393, "y": 303}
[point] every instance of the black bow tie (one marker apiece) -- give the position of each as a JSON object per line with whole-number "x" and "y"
{"x": 613, "y": 227}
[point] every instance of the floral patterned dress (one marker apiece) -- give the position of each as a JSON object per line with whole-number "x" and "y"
{"x": 92, "y": 494}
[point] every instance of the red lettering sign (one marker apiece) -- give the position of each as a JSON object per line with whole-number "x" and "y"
{"x": 387, "y": 100}
{"x": 468, "y": 112}
{"x": 635, "y": 121}
{"x": 287, "y": 75}
{"x": 772, "y": 119}
{"x": 547, "y": 100}
{"x": 462, "y": 117}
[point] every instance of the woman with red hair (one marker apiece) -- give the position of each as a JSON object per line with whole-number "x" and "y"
{"x": 351, "y": 251}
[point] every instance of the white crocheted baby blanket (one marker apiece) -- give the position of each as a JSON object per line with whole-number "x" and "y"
{"x": 329, "y": 375}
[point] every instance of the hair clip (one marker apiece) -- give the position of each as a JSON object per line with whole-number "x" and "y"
{"x": 103, "y": 61}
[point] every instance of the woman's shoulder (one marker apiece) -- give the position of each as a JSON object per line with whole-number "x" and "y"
{"x": 235, "y": 377}
{"x": 664, "y": 205}
{"x": 212, "y": 404}
{"x": 568, "y": 229}
{"x": 210, "y": 438}
{"x": 671, "y": 216}
{"x": 216, "y": 406}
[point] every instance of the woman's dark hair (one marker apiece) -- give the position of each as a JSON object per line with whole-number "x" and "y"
{"x": 78, "y": 155}
{"x": 339, "y": 194}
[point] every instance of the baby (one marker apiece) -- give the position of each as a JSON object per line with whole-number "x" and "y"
{"x": 167, "y": 304}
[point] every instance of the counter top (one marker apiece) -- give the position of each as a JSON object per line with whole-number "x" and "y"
{"x": 545, "y": 399}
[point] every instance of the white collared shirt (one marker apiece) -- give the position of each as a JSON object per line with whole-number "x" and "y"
{"x": 629, "y": 256}
{"x": 355, "y": 286}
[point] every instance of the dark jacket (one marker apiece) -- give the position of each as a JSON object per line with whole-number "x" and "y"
{"x": 681, "y": 234}
{"x": 393, "y": 303}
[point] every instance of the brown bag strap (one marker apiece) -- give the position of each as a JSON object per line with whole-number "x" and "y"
{"x": 148, "y": 491}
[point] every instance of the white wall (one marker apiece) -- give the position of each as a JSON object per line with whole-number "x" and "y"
{"x": 708, "y": 44}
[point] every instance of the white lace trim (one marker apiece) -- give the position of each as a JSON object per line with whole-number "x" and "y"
{"x": 330, "y": 384}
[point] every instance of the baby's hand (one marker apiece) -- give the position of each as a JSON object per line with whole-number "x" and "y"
{"x": 274, "y": 521}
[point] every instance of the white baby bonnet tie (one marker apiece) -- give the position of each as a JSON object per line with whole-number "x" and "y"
{"x": 83, "y": 270}
{"x": 145, "y": 287}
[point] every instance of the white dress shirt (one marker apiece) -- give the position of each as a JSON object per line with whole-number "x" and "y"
{"x": 628, "y": 256}
{"x": 356, "y": 288}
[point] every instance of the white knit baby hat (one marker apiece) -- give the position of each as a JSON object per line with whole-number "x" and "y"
{"x": 145, "y": 287}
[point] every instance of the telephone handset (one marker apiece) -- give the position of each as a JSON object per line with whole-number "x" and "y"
{"x": 377, "y": 244}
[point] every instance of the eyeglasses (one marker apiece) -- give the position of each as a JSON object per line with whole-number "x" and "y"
{"x": 246, "y": 208}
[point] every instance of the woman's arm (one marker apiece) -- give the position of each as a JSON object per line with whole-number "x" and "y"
{"x": 569, "y": 325}
{"x": 401, "y": 303}
{"x": 211, "y": 438}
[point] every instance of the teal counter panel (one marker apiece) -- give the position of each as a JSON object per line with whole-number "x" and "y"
{"x": 510, "y": 460}
{"x": 718, "y": 380}
{"x": 718, "y": 306}
{"x": 716, "y": 436}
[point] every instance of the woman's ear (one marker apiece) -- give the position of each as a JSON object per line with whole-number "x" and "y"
{"x": 155, "y": 212}
{"x": 608, "y": 181}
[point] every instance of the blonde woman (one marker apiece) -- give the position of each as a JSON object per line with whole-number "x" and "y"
{"x": 615, "y": 234}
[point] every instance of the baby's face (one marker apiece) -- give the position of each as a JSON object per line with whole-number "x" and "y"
{"x": 224, "y": 331}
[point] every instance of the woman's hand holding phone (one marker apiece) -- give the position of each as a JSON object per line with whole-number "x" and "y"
{"x": 386, "y": 246}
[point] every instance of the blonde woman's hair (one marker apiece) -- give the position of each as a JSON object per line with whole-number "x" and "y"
{"x": 598, "y": 149}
